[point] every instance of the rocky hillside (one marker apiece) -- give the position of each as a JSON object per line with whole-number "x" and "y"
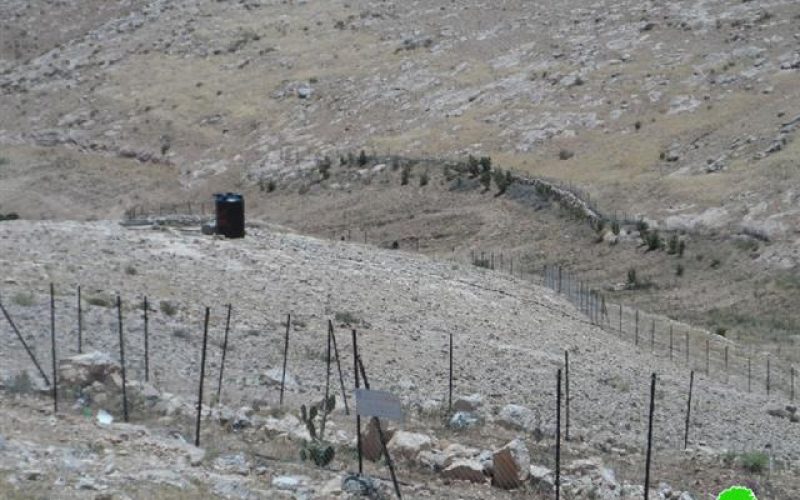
{"x": 680, "y": 112}
{"x": 509, "y": 339}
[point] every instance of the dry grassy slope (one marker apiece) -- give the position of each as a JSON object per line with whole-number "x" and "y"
{"x": 731, "y": 283}
{"x": 217, "y": 82}
{"x": 509, "y": 334}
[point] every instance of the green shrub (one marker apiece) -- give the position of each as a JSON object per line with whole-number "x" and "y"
{"x": 405, "y": 175}
{"x": 423, "y": 179}
{"x": 642, "y": 226}
{"x": 100, "y": 301}
{"x": 754, "y": 461}
{"x": 346, "y": 317}
{"x": 633, "y": 281}
{"x": 473, "y": 166}
{"x": 672, "y": 244}
{"x": 652, "y": 240}
{"x": 23, "y": 299}
{"x": 486, "y": 164}
{"x": 167, "y": 308}
{"x": 486, "y": 179}
{"x": 324, "y": 167}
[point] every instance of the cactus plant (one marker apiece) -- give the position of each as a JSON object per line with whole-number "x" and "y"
{"x": 318, "y": 450}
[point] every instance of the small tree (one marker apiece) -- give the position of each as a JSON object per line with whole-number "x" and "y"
{"x": 486, "y": 179}
{"x": 486, "y": 163}
{"x": 500, "y": 180}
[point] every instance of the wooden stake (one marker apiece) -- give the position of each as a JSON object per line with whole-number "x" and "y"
{"x": 358, "y": 417}
{"x": 650, "y": 437}
{"x": 558, "y": 435}
{"x": 566, "y": 394}
{"x": 338, "y": 366}
{"x": 146, "y": 345}
{"x": 122, "y": 359}
{"x": 450, "y": 398}
{"x": 24, "y": 344}
{"x": 285, "y": 355}
{"x": 688, "y": 411}
{"x": 80, "y": 323}
{"x": 202, "y": 377}
{"x": 224, "y": 351}
{"x": 53, "y": 345}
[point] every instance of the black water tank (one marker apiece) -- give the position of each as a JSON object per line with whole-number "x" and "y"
{"x": 230, "y": 214}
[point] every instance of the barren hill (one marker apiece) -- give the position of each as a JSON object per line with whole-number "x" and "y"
{"x": 509, "y": 340}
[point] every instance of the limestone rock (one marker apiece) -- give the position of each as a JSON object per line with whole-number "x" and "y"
{"x": 408, "y": 444}
{"x": 518, "y": 417}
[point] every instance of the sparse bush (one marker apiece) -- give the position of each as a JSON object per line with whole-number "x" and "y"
{"x": 615, "y": 227}
{"x": 20, "y": 384}
{"x": 486, "y": 163}
{"x": 502, "y": 180}
{"x": 130, "y": 270}
{"x": 754, "y": 461}
{"x": 681, "y": 248}
{"x": 100, "y": 301}
{"x": 565, "y": 154}
{"x": 167, "y": 308}
{"x": 423, "y": 179}
{"x": 486, "y": 179}
{"x": 362, "y": 158}
{"x": 180, "y": 333}
{"x": 637, "y": 125}
{"x": 3, "y": 161}
{"x": 721, "y": 331}
{"x": 679, "y": 270}
{"x": 473, "y": 166}
{"x": 715, "y": 263}
{"x": 485, "y": 263}
{"x": 395, "y": 164}
{"x": 672, "y": 244}
{"x": 641, "y": 226}
{"x": 324, "y": 167}
{"x": 23, "y": 299}
{"x": 652, "y": 240}
{"x": 405, "y": 175}
{"x": 633, "y": 281}
{"x": 346, "y": 317}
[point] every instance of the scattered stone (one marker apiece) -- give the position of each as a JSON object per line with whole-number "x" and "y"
{"x": 289, "y": 483}
{"x": 371, "y": 445}
{"x": 465, "y": 470}
{"x": 408, "y": 444}
{"x": 32, "y": 474}
{"x": 273, "y": 377}
{"x": 511, "y": 465}
{"x": 518, "y": 417}
{"x": 232, "y": 464}
{"x": 469, "y": 403}
{"x": 84, "y": 369}
{"x": 463, "y": 420}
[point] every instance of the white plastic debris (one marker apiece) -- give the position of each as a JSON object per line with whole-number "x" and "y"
{"x": 104, "y": 418}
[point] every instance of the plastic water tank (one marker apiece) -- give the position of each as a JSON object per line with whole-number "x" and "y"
{"x": 230, "y": 214}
